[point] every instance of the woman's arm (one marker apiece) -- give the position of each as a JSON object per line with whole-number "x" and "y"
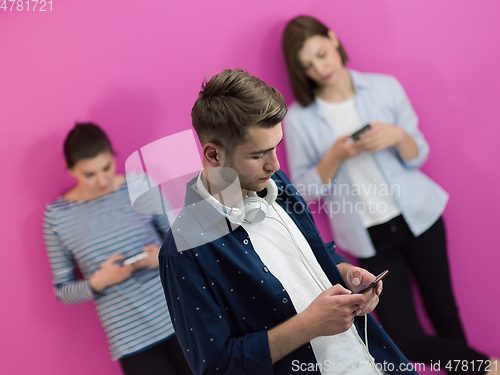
{"x": 404, "y": 134}
{"x": 111, "y": 273}
{"x": 311, "y": 172}
{"x": 406, "y": 146}
{"x": 68, "y": 289}
{"x": 343, "y": 149}
{"x": 382, "y": 135}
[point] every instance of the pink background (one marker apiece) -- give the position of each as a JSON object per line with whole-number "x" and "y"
{"x": 135, "y": 68}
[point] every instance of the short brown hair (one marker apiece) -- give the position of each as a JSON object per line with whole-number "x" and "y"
{"x": 85, "y": 141}
{"x": 232, "y": 101}
{"x": 297, "y": 31}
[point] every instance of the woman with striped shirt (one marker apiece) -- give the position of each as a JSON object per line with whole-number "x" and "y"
{"x": 93, "y": 227}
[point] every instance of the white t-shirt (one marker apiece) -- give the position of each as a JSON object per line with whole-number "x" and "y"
{"x": 376, "y": 204}
{"x": 296, "y": 267}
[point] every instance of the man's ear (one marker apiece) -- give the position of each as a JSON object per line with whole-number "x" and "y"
{"x": 212, "y": 154}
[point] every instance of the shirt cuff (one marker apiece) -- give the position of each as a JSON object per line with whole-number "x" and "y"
{"x": 257, "y": 353}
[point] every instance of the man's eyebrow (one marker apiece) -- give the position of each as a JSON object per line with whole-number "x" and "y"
{"x": 264, "y": 151}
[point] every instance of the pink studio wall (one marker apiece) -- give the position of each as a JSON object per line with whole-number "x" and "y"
{"x": 136, "y": 67}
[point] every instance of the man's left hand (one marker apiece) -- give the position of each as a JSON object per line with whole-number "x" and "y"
{"x": 354, "y": 278}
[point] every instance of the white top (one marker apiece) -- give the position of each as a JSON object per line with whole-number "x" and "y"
{"x": 376, "y": 203}
{"x": 288, "y": 256}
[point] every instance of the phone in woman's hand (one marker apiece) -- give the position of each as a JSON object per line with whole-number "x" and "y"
{"x": 134, "y": 258}
{"x": 357, "y": 134}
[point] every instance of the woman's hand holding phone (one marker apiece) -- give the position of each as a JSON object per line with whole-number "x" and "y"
{"x": 379, "y": 136}
{"x": 150, "y": 260}
{"x": 110, "y": 273}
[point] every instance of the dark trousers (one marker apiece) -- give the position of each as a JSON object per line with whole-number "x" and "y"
{"x": 426, "y": 258}
{"x": 165, "y": 358}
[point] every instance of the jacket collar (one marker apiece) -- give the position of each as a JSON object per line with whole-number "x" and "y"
{"x": 205, "y": 213}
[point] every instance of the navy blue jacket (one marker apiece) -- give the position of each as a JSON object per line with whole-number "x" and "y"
{"x": 223, "y": 299}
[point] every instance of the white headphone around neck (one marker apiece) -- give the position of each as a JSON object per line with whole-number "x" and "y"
{"x": 253, "y": 209}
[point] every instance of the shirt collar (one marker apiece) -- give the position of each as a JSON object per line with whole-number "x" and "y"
{"x": 358, "y": 79}
{"x": 204, "y": 212}
{"x": 201, "y": 210}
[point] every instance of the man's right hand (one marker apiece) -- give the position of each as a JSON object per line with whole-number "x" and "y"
{"x": 333, "y": 311}
{"x": 330, "y": 313}
{"x": 110, "y": 274}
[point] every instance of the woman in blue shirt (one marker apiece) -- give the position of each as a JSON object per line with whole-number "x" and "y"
{"x": 381, "y": 208}
{"x": 93, "y": 227}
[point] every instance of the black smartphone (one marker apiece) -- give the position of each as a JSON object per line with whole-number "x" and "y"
{"x": 371, "y": 284}
{"x": 356, "y": 135}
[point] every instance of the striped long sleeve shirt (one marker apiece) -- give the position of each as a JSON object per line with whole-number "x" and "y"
{"x": 133, "y": 313}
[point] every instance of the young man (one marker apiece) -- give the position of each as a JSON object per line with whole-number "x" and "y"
{"x": 251, "y": 286}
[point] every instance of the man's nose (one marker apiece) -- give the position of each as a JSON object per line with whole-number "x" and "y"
{"x": 273, "y": 163}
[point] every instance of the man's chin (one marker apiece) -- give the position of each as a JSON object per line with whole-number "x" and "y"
{"x": 261, "y": 185}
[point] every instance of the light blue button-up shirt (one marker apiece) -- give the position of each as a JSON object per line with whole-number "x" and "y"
{"x": 308, "y": 137}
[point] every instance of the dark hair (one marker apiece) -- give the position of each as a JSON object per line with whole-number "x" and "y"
{"x": 297, "y": 31}
{"x": 85, "y": 141}
{"x": 232, "y": 101}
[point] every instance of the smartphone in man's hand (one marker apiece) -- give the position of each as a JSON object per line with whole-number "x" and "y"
{"x": 371, "y": 284}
